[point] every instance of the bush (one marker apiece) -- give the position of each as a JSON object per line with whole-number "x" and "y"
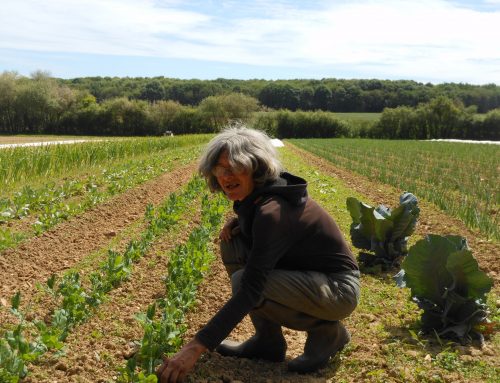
{"x": 317, "y": 124}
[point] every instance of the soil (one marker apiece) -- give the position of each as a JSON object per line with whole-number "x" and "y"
{"x": 96, "y": 349}
{"x": 68, "y": 243}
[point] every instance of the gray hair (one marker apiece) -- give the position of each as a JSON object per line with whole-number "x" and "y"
{"x": 248, "y": 149}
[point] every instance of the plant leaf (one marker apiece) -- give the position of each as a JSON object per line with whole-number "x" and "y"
{"x": 354, "y": 207}
{"x": 425, "y": 268}
{"x": 469, "y": 280}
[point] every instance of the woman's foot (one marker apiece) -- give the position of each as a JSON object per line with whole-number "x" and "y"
{"x": 272, "y": 349}
{"x": 323, "y": 342}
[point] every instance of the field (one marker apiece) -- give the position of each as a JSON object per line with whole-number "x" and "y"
{"x": 369, "y": 117}
{"x": 129, "y": 233}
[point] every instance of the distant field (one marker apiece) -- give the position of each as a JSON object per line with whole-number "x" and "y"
{"x": 372, "y": 117}
{"x": 460, "y": 178}
{"x": 21, "y": 138}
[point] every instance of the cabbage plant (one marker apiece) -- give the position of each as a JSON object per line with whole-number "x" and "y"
{"x": 447, "y": 284}
{"x": 382, "y": 230}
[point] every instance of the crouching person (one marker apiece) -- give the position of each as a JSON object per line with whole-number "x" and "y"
{"x": 288, "y": 262}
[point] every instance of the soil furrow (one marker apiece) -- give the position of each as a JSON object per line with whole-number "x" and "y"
{"x": 68, "y": 243}
{"x": 97, "y": 348}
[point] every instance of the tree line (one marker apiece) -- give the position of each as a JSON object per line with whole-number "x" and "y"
{"x": 42, "y": 104}
{"x": 334, "y": 95}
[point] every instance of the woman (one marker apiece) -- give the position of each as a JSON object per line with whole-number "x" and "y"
{"x": 287, "y": 259}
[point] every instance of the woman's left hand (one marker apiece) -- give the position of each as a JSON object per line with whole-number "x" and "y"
{"x": 176, "y": 368}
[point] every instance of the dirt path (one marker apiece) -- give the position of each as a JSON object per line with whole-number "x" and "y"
{"x": 71, "y": 241}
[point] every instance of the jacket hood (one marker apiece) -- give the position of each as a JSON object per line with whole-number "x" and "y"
{"x": 288, "y": 186}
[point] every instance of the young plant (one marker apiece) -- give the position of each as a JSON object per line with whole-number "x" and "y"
{"x": 187, "y": 264}
{"x": 382, "y": 230}
{"x": 446, "y": 283}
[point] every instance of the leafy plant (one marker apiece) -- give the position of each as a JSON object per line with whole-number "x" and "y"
{"x": 187, "y": 263}
{"x": 382, "y": 230}
{"x": 446, "y": 282}
{"x": 9, "y": 238}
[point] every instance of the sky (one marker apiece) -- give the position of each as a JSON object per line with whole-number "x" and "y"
{"x": 433, "y": 41}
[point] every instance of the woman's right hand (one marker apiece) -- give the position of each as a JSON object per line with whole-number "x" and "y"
{"x": 230, "y": 228}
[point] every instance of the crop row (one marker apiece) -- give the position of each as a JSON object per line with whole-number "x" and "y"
{"x": 74, "y": 302}
{"x": 461, "y": 179}
{"x": 53, "y": 203}
{"x": 187, "y": 264}
{"x": 25, "y": 164}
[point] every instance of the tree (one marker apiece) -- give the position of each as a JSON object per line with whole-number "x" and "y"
{"x": 220, "y": 110}
{"x": 322, "y": 98}
{"x": 8, "y": 94}
{"x": 280, "y": 96}
{"x": 152, "y": 91}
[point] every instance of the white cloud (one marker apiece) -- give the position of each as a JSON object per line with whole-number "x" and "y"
{"x": 419, "y": 39}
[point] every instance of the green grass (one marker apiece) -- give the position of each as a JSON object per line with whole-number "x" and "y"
{"x": 462, "y": 179}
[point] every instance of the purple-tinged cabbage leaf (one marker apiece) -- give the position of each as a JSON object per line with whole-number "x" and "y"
{"x": 382, "y": 230}
{"x": 447, "y": 284}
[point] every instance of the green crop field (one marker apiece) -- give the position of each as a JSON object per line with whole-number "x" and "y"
{"x": 460, "y": 178}
{"x": 105, "y": 247}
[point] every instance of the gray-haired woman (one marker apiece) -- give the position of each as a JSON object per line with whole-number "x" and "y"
{"x": 287, "y": 259}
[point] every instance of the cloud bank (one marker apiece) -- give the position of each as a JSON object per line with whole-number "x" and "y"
{"x": 441, "y": 40}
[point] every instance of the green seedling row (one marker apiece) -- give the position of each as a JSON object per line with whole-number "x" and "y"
{"x": 54, "y": 203}
{"x": 75, "y": 302}
{"x": 462, "y": 179}
{"x": 187, "y": 264}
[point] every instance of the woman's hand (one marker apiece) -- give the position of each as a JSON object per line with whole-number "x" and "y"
{"x": 176, "y": 368}
{"x": 229, "y": 229}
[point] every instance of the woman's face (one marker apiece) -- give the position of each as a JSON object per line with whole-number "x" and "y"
{"x": 236, "y": 185}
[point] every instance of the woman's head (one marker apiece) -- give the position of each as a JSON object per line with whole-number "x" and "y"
{"x": 237, "y": 160}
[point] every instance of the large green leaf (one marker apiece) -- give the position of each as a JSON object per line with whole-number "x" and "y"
{"x": 367, "y": 220}
{"x": 382, "y": 226}
{"x": 358, "y": 239}
{"x": 405, "y": 216}
{"x": 425, "y": 268}
{"x": 354, "y": 207}
{"x": 469, "y": 280}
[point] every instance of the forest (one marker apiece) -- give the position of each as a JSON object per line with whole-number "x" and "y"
{"x": 285, "y": 108}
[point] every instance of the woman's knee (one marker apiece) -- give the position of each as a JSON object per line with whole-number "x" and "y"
{"x": 234, "y": 251}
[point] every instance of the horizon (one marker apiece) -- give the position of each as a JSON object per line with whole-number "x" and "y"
{"x": 428, "y": 41}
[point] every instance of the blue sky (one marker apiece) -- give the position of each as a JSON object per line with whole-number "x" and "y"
{"x": 423, "y": 40}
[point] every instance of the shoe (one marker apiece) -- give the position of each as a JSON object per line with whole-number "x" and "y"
{"x": 323, "y": 341}
{"x": 257, "y": 347}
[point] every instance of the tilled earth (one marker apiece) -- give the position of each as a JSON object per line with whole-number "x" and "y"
{"x": 96, "y": 349}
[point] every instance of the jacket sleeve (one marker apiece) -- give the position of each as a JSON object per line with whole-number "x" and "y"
{"x": 271, "y": 232}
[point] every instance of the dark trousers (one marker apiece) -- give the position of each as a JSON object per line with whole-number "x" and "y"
{"x": 330, "y": 297}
